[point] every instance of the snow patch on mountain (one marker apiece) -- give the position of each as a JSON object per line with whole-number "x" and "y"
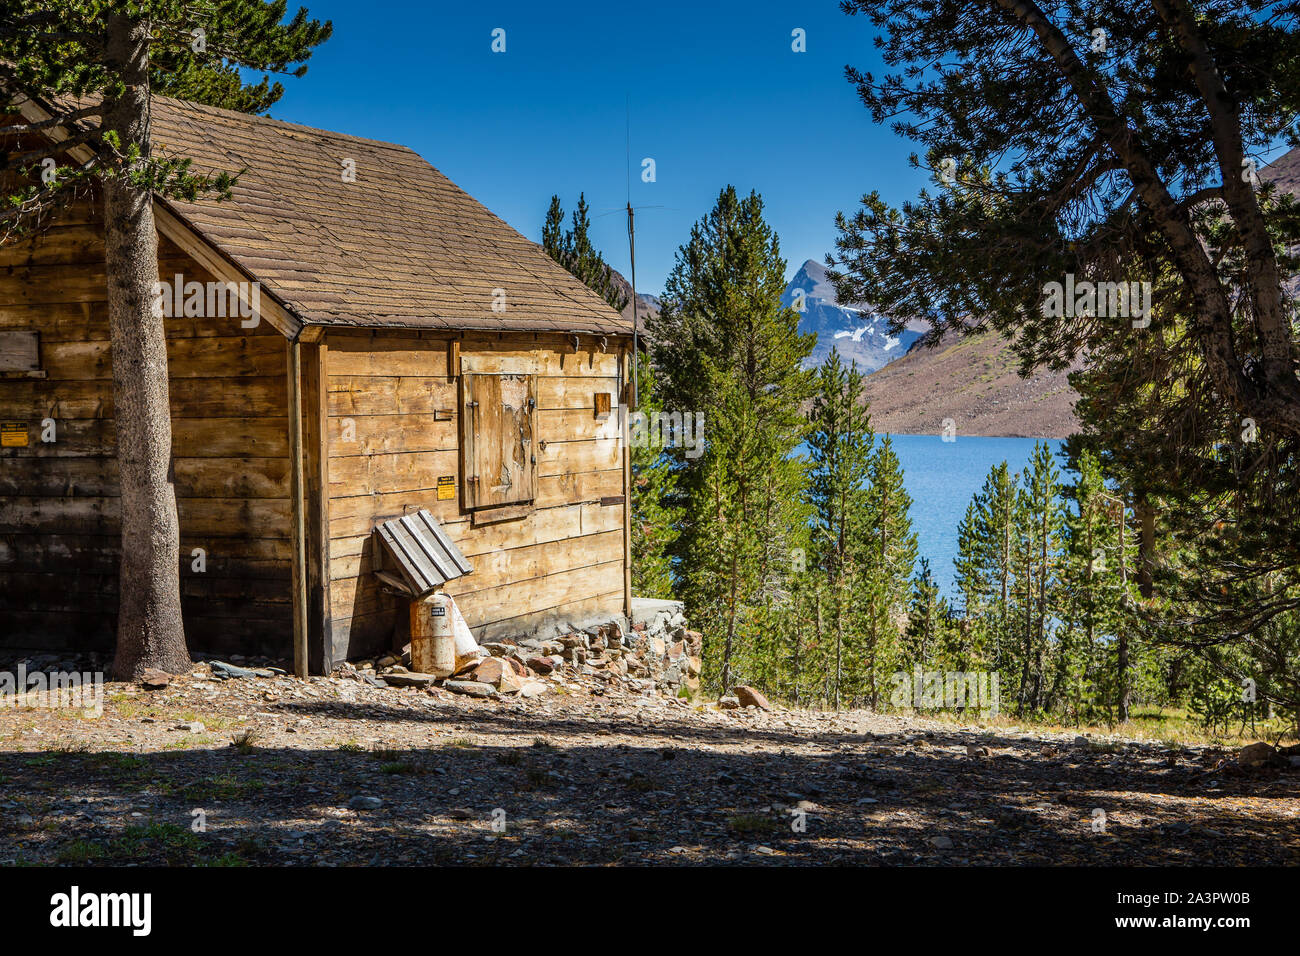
{"x": 861, "y": 335}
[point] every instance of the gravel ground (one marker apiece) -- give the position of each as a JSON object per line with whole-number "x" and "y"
{"x": 335, "y": 772}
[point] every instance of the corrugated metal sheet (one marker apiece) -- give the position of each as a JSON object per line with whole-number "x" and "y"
{"x": 424, "y": 556}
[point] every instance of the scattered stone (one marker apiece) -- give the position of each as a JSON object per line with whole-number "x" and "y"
{"x": 405, "y": 678}
{"x": 154, "y": 679}
{"x": 223, "y": 671}
{"x": 941, "y": 842}
{"x": 361, "y": 802}
{"x": 470, "y": 688}
{"x": 498, "y": 672}
{"x": 510, "y": 682}
{"x": 542, "y": 665}
{"x": 467, "y": 667}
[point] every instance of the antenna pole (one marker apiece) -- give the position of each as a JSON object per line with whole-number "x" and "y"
{"x": 631, "y": 246}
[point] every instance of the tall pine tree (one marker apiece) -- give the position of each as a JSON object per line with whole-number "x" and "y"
{"x": 891, "y": 557}
{"x": 839, "y": 448}
{"x": 985, "y": 563}
{"x": 725, "y": 347}
{"x": 573, "y": 249}
{"x": 1038, "y": 567}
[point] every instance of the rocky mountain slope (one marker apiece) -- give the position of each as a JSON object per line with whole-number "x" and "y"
{"x": 974, "y": 381}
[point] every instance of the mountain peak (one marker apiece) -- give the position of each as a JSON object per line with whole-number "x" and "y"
{"x": 811, "y": 277}
{"x": 862, "y": 337}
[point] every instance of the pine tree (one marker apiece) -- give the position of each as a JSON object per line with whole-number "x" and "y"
{"x": 839, "y": 447}
{"x": 724, "y": 344}
{"x": 553, "y": 232}
{"x": 573, "y": 249}
{"x": 973, "y": 576}
{"x": 1038, "y": 543}
{"x": 655, "y": 516}
{"x": 1194, "y": 407}
{"x": 1095, "y": 588}
{"x": 95, "y": 66}
{"x": 888, "y": 513}
{"x": 891, "y": 556}
{"x": 925, "y": 639}
{"x": 986, "y": 570}
{"x": 878, "y": 621}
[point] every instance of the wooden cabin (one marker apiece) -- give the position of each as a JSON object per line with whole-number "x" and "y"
{"x": 387, "y": 345}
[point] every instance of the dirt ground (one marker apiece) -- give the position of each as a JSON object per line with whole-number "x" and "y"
{"x": 335, "y": 772}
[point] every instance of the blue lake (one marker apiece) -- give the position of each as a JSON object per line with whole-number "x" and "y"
{"x": 942, "y": 477}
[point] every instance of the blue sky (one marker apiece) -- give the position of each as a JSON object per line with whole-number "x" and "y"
{"x": 717, "y": 96}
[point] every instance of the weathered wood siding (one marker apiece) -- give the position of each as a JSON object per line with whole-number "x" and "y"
{"x": 393, "y": 427}
{"x": 59, "y": 544}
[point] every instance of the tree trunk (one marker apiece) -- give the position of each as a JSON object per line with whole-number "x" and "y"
{"x": 1029, "y": 637}
{"x": 1146, "y": 549}
{"x": 1121, "y": 662}
{"x": 150, "y": 632}
{"x": 731, "y": 631}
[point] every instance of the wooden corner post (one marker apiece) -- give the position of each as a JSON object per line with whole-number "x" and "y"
{"x": 298, "y": 516}
{"x": 625, "y": 414}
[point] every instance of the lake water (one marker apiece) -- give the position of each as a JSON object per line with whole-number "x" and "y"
{"x": 942, "y": 477}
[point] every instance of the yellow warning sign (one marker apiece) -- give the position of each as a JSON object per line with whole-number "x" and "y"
{"x": 446, "y": 487}
{"x": 13, "y": 434}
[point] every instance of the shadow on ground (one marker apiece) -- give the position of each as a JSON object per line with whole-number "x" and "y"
{"x": 626, "y": 791}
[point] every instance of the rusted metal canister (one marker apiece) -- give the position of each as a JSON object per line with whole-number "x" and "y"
{"x": 433, "y": 645}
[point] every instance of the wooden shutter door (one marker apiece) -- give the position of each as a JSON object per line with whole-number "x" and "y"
{"x": 499, "y": 458}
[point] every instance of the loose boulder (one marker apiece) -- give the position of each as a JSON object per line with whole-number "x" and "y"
{"x": 749, "y": 697}
{"x": 154, "y": 679}
{"x": 1259, "y": 755}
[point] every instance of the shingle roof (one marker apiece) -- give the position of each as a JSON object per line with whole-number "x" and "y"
{"x": 401, "y": 246}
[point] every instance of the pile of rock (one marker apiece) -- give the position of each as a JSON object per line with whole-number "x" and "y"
{"x": 656, "y": 654}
